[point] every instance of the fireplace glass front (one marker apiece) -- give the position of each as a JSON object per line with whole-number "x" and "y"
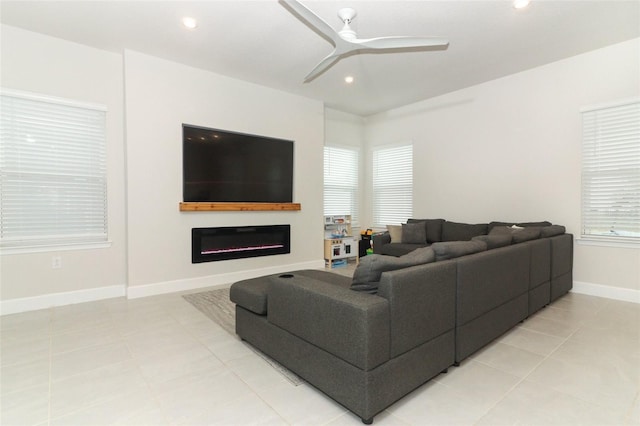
{"x": 237, "y": 242}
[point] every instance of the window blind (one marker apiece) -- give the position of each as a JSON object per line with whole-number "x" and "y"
{"x": 392, "y": 185}
{"x": 341, "y": 182}
{"x": 611, "y": 172}
{"x": 52, "y": 172}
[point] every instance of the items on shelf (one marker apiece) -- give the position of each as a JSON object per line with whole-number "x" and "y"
{"x": 337, "y": 226}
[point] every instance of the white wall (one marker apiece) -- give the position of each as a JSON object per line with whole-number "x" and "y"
{"x": 343, "y": 129}
{"x": 41, "y": 64}
{"x": 506, "y": 150}
{"x": 150, "y": 250}
{"x": 347, "y": 131}
{"x": 160, "y": 96}
{"x": 510, "y": 149}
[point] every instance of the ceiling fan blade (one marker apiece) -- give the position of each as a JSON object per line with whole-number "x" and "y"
{"x": 324, "y": 65}
{"x": 402, "y": 42}
{"x": 312, "y": 19}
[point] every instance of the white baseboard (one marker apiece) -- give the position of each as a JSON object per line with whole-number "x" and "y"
{"x": 25, "y": 304}
{"x": 609, "y": 292}
{"x": 134, "y": 292}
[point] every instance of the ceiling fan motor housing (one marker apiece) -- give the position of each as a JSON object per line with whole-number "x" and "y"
{"x": 346, "y": 15}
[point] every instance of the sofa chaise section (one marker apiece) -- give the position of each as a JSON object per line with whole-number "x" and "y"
{"x": 364, "y": 351}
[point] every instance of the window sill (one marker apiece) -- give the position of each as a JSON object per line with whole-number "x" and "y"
{"x": 53, "y": 248}
{"x": 608, "y": 242}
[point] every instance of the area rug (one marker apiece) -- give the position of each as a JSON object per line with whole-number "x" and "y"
{"x": 215, "y": 304}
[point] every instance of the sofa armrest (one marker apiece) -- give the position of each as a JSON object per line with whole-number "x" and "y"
{"x": 379, "y": 240}
{"x": 350, "y": 325}
{"x": 561, "y": 255}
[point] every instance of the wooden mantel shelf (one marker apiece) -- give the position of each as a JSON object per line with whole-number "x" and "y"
{"x": 228, "y": 207}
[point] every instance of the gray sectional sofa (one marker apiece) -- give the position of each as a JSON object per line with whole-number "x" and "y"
{"x": 368, "y": 341}
{"x": 436, "y": 231}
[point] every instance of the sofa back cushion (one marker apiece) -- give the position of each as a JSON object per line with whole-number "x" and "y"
{"x": 395, "y": 232}
{"x": 433, "y": 228}
{"x": 366, "y": 277}
{"x": 520, "y": 224}
{"x": 452, "y": 249}
{"x": 414, "y": 233}
{"x": 527, "y": 234}
{"x": 552, "y": 231}
{"x": 518, "y": 234}
{"x": 454, "y": 231}
{"x": 494, "y": 240}
{"x": 397, "y": 250}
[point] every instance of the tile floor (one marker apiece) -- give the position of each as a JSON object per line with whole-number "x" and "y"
{"x": 159, "y": 361}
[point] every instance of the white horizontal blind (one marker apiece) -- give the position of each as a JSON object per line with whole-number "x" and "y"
{"x": 611, "y": 172}
{"x": 392, "y": 185}
{"x": 341, "y": 182}
{"x": 52, "y": 172}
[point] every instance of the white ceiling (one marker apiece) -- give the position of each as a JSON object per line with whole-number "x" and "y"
{"x": 262, "y": 42}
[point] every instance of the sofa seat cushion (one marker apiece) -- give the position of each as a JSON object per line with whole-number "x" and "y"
{"x": 252, "y": 294}
{"x": 453, "y": 231}
{"x": 367, "y": 275}
{"x": 452, "y": 249}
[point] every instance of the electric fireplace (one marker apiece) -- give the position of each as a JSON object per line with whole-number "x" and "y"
{"x": 237, "y": 242}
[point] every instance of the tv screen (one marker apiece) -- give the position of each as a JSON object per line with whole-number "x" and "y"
{"x": 223, "y": 166}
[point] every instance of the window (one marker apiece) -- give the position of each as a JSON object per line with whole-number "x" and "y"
{"x": 611, "y": 172}
{"x": 392, "y": 185}
{"x": 341, "y": 182}
{"x": 52, "y": 173}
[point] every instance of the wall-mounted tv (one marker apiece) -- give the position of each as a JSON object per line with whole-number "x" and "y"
{"x": 224, "y": 166}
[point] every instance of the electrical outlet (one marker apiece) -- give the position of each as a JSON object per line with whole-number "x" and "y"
{"x": 56, "y": 262}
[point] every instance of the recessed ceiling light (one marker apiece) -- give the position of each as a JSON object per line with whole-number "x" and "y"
{"x": 349, "y": 79}
{"x": 189, "y": 22}
{"x": 520, "y": 4}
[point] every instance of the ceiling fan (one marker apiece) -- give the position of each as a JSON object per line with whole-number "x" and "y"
{"x": 347, "y": 43}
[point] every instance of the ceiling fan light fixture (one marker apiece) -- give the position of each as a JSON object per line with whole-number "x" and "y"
{"x": 521, "y": 4}
{"x": 189, "y": 22}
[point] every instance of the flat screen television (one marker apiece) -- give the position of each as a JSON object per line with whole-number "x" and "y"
{"x": 224, "y": 166}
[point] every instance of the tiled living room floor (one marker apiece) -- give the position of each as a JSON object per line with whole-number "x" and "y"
{"x": 159, "y": 361}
